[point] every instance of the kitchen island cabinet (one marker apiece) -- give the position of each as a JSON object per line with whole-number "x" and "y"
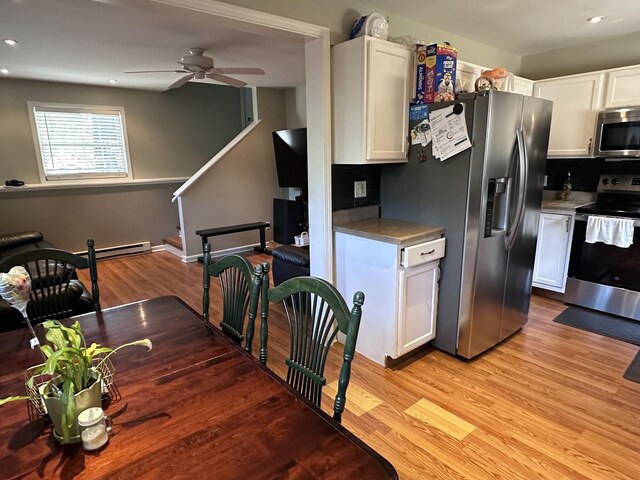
{"x": 396, "y": 265}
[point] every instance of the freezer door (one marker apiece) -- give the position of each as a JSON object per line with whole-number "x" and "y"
{"x": 536, "y": 120}
{"x": 493, "y": 187}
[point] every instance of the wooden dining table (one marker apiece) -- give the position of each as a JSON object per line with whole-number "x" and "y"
{"x": 196, "y": 406}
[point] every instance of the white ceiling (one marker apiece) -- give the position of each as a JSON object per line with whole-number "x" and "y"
{"x": 522, "y": 27}
{"x": 91, "y": 41}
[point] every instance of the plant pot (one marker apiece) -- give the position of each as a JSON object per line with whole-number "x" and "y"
{"x": 87, "y": 398}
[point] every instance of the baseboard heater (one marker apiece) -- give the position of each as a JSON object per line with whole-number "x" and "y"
{"x": 120, "y": 250}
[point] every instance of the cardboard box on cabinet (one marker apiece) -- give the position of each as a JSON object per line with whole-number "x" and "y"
{"x": 435, "y": 73}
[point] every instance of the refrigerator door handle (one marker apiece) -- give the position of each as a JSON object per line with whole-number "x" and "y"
{"x": 522, "y": 188}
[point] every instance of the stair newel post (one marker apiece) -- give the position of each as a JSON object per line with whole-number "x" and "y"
{"x": 205, "y": 281}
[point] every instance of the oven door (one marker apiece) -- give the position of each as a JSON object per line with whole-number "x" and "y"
{"x": 603, "y": 277}
{"x": 605, "y": 264}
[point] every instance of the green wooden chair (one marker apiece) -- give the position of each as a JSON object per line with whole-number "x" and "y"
{"x": 55, "y": 291}
{"x": 316, "y": 313}
{"x": 240, "y": 286}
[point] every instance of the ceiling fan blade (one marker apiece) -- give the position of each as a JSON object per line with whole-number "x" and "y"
{"x": 158, "y": 71}
{"x": 241, "y": 71}
{"x": 228, "y": 80}
{"x": 181, "y": 82}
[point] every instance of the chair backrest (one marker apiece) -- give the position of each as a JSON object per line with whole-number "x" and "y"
{"x": 316, "y": 312}
{"x": 240, "y": 287}
{"x": 52, "y": 273}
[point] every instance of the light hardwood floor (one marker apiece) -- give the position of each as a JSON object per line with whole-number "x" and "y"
{"x": 548, "y": 403}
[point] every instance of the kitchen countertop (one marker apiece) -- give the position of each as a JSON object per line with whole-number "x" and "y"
{"x": 390, "y": 230}
{"x": 571, "y": 205}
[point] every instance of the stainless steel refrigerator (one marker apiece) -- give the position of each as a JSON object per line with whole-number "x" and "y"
{"x": 488, "y": 199}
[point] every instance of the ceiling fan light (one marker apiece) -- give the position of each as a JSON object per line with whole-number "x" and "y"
{"x": 4, "y": 71}
{"x": 596, "y": 19}
{"x": 10, "y": 41}
{"x": 112, "y": 81}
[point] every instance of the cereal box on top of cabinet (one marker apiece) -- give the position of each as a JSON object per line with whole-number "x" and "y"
{"x": 435, "y": 73}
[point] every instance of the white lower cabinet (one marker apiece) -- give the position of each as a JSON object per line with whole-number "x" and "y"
{"x": 555, "y": 232}
{"x": 400, "y": 306}
{"x": 417, "y": 307}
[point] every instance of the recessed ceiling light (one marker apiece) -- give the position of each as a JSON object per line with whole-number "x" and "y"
{"x": 4, "y": 71}
{"x": 10, "y": 41}
{"x": 596, "y": 19}
{"x": 112, "y": 81}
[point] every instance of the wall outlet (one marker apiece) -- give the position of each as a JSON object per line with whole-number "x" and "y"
{"x": 360, "y": 189}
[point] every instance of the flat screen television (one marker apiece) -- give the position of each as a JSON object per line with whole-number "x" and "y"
{"x": 290, "y": 148}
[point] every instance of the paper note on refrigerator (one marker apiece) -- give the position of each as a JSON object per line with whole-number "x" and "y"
{"x": 449, "y": 131}
{"x": 421, "y": 134}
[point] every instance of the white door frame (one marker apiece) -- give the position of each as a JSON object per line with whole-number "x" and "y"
{"x": 318, "y": 98}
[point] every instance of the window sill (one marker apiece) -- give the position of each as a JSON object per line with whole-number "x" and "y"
{"x": 61, "y": 185}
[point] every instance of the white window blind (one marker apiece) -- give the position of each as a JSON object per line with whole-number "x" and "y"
{"x": 81, "y": 142}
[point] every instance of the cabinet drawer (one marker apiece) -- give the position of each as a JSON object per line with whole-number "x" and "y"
{"x": 423, "y": 253}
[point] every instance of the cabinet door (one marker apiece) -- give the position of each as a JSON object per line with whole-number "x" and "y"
{"x": 388, "y": 67}
{"x": 576, "y": 100}
{"x": 418, "y": 303}
{"x": 466, "y": 75}
{"x": 623, "y": 88}
{"x": 552, "y": 251}
{"x": 523, "y": 86}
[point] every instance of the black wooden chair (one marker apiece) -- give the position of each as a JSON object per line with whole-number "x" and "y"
{"x": 55, "y": 291}
{"x": 316, "y": 312}
{"x": 240, "y": 286}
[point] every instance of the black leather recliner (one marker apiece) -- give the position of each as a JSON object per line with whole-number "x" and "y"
{"x": 289, "y": 262}
{"x": 79, "y": 298}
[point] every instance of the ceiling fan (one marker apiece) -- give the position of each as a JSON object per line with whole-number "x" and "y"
{"x": 197, "y": 66}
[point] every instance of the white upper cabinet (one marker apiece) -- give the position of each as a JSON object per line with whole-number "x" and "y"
{"x": 623, "y": 87}
{"x": 523, "y": 86}
{"x": 467, "y": 74}
{"x": 371, "y": 82}
{"x": 576, "y": 100}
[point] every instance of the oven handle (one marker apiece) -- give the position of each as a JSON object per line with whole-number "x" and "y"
{"x": 582, "y": 217}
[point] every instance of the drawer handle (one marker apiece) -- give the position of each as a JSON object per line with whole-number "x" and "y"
{"x": 427, "y": 253}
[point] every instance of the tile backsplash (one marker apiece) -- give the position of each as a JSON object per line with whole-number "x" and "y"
{"x": 343, "y": 178}
{"x": 585, "y": 172}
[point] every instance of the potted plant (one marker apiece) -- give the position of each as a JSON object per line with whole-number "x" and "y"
{"x": 74, "y": 370}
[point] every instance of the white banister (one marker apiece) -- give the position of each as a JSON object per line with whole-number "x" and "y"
{"x": 194, "y": 178}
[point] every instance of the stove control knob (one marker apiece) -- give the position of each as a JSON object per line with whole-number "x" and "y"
{"x": 605, "y": 181}
{"x": 615, "y": 181}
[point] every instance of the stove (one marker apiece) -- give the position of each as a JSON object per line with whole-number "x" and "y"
{"x": 605, "y": 277}
{"x": 618, "y": 196}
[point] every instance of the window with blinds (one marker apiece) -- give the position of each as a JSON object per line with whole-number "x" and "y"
{"x": 80, "y": 142}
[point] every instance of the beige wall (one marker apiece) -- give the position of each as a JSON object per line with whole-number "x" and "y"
{"x": 110, "y": 215}
{"x": 171, "y": 134}
{"x": 598, "y": 55}
{"x": 295, "y": 105}
{"x": 340, "y": 15}
{"x": 239, "y": 188}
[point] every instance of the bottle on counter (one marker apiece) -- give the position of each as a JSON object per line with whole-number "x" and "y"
{"x": 566, "y": 188}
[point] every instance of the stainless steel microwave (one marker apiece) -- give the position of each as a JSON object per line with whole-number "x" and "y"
{"x": 618, "y": 133}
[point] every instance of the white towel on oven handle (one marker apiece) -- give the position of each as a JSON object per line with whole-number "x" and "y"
{"x": 610, "y": 230}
